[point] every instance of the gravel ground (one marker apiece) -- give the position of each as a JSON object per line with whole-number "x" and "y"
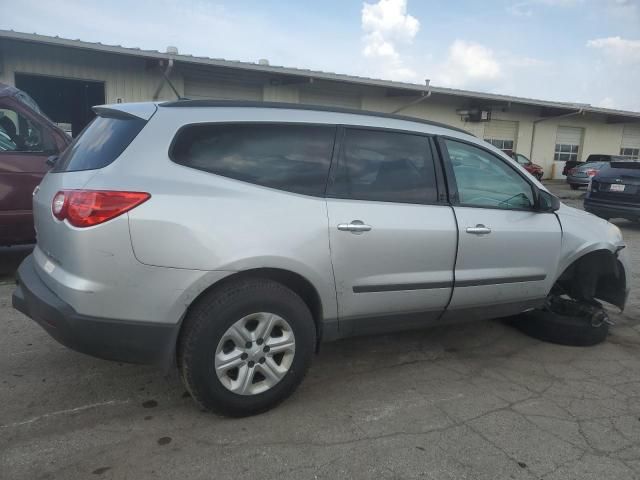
{"x": 477, "y": 401}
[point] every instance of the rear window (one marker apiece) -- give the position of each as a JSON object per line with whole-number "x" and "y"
{"x": 99, "y": 144}
{"x": 592, "y": 165}
{"x": 293, "y": 158}
{"x": 598, "y": 158}
{"x": 623, "y": 164}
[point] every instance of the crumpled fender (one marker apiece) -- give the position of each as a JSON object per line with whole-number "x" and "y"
{"x": 583, "y": 233}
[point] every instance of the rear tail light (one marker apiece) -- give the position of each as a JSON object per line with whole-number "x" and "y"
{"x": 85, "y": 208}
{"x": 591, "y": 172}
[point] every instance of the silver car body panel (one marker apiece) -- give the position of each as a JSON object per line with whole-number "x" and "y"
{"x": 199, "y": 228}
{"x": 583, "y": 233}
{"x": 516, "y": 261}
{"x": 403, "y": 264}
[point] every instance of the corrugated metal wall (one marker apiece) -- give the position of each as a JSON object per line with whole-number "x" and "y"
{"x": 320, "y": 93}
{"x": 125, "y": 78}
{"x": 200, "y": 85}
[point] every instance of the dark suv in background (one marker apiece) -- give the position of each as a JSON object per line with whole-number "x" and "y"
{"x": 27, "y": 139}
{"x": 614, "y": 192}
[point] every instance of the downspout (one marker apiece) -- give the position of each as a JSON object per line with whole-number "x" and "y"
{"x": 535, "y": 122}
{"x": 423, "y": 96}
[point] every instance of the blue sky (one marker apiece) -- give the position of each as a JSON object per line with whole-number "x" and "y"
{"x": 569, "y": 50}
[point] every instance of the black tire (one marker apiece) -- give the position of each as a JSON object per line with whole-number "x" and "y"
{"x": 574, "y": 186}
{"x": 210, "y": 318}
{"x": 576, "y": 331}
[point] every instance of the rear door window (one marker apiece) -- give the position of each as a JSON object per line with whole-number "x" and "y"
{"x": 294, "y": 158}
{"x": 385, "y": 166}
{"x": 100, "y": 143}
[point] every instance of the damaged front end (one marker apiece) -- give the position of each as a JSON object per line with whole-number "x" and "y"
{"x": 598, "y": 275}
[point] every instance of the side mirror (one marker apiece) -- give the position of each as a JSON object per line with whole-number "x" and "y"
{"x": 51, "y": 161}
{"x": 547, "y": 202}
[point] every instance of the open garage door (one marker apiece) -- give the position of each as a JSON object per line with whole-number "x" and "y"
{"x": 67, "y": 102}
{"x": 502, "y": 134}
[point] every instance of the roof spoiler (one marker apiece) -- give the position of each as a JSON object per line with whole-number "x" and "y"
{"x": 126, "y": 111}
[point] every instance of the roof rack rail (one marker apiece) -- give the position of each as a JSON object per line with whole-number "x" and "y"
{"x": 299, "y": 106}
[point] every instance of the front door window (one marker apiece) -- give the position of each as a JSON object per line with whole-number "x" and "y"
{"x": 484, "y": 180}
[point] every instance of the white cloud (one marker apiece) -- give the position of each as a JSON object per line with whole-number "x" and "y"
{"x": 470, "y": 65}
{"x": 387, "y": 24}
{"x": 618, "y": 48}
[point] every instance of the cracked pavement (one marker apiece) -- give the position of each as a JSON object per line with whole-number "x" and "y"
{"x": 474, "y": 401}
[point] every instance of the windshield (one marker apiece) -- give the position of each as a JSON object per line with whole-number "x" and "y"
{"x": 25, "y": 99}
{"x": 522, "y": 160}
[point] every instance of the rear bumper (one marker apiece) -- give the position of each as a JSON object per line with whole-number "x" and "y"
{"x": 120, "y": 340}
{"x": 612, "y": 210}
{"x": 578, "y": 180}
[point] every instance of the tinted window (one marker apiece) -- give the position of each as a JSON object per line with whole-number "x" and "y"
{"x": 294, "y": 158}
{"x": 486, "y": 181}
{"x": 385, "y": 166}
{"x": 591, "y": 165}
{"x": 99, "y": 144}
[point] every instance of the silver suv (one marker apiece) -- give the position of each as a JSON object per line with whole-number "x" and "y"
{"x": 231, "y": 238}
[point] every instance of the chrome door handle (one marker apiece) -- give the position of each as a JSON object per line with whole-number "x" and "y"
{"x": 479, "y": 230}
{"x": 356, "y": 226}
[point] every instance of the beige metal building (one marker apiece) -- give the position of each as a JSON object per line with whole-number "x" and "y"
{"x": 67, "y": 77}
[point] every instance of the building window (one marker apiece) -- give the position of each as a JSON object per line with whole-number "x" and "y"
{"x": 505, "y": 145}
{"x": 630, "y": 153}
{"x": 566, "y": 153}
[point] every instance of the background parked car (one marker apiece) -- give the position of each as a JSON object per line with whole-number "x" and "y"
{"x": 27, "y": 139}
{"x": 614, "y": 191}
{"x": 594, "y": 157}
{"x": 533, "y": 168}
{"x": 581, "y": 175}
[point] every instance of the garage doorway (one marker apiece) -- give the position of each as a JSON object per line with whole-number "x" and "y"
{"x": 66, "y": 102}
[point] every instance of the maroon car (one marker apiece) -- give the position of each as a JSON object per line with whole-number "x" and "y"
{"x": 27, "y": 139}
{"x": 533, "y": 168}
